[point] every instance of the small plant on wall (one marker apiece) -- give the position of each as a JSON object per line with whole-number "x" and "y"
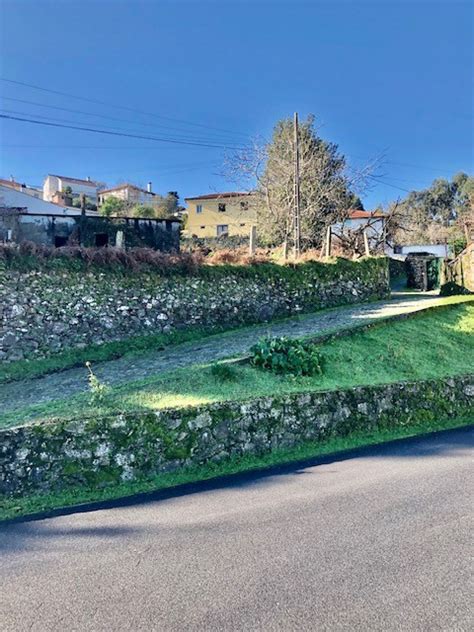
{"x": 98, "y": 390}
{"x": 286, "y": 356}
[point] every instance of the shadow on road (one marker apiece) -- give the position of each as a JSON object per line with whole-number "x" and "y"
{"x": 33, "y": 532}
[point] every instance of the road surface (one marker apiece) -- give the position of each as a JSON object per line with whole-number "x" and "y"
{"x": 377, "y": 541}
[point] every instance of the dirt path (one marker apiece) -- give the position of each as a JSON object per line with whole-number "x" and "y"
{"x": 72, "y": 381}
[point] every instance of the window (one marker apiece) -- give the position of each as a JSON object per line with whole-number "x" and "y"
{"x": 242, "y": 224}
{"x": 101, "y": 239}
{"x": 222, "y": 229}
{"x": 244, "y": 206}
{"x": 60, "y": 241}
{"x": 202, "y": 227}
{"x": 198, "y": 208}
{"x": 221, "y": 208}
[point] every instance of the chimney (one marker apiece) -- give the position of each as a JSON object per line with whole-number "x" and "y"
{"x": 148, "y": 187}
{"x": 88, "y": 178}
{"x": 12, "y": 179}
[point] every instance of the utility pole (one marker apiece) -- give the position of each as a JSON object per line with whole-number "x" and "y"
{"x": 296, "y": 211}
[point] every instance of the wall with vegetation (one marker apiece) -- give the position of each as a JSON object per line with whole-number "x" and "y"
{"x": 422, "y": 272}
{"x": 57, "y": 230}
{"x": 64, "y": 304}
{"x": 461, "y": 270}
{"x": 99, "y": 452}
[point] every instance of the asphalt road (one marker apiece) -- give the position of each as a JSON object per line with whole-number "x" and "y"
{"x": 378, "y": 541}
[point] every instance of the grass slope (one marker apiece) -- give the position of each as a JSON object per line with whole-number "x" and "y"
{"x": 428, "y": 345}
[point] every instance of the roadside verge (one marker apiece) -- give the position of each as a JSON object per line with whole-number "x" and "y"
{"x": 96, "y": 458}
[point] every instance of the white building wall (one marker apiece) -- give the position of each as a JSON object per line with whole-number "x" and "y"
{"x": 439, "y": 250}
{"x": 15, "y": 199}
{"x": 129, "y": 195}
{"x": 53, "y": 184}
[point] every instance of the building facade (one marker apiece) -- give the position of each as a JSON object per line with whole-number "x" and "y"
{"x": 54, "y": 184}
{"x": 13, "y": 198}
{"x": 129, "y": 193}
{"x": 23, "y": 188}
{"x": 219, "y": 214}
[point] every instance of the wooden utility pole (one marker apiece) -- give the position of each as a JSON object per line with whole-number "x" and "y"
{"x": 296, "y": 215}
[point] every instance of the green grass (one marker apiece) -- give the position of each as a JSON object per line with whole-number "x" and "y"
{"x": 15, "y": 507}
{"x": 428, "y": 345}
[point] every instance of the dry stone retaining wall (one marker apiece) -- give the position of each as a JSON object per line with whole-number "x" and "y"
{"x": 50, "y": 457}
{"x": 44, "y": 311}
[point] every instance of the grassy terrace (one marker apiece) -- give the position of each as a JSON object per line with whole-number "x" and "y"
{"x": 428, "y": 345}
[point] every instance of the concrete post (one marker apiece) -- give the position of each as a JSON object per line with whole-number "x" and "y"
{"x": 119, "y": 239}
{"x": 253, "y": 240}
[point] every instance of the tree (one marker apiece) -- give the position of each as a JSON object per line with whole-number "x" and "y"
{"x": 112, "y": 206}
{"x": 440, "y": 213}
{"x": 141, "y": 210}
{"x": 327, "y": 188}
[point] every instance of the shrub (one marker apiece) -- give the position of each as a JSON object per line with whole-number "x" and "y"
{"x": 223, "y": 372}
{"x": 452, "y": 289}
{"x": 285, "y": 355}
{"x": 98, "y": 389}
{"x": 29, "y": 255}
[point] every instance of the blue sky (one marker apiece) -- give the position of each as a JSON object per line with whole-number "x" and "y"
{"x": 392, "y": 78}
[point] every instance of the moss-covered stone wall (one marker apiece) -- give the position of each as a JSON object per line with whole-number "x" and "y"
{"x": 43, "y": 311}
{"x": 461, "y": 270}
{"x": 50, "y": 457}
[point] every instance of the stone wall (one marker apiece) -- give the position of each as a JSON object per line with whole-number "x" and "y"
{"x": 460, "y": 271}
{"x": 50, "y": 457}
{"x": 46, "y": 311}
{"x": 91, "y": 231}
{"x": 422, "y": 272}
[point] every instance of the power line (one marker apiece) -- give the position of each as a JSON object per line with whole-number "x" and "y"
{"x": 388, "y": 184}
{"x": 229, "y": 145}
{"x": 400, "y": 164}
{"x": 104, "y": 116}
{"x": 110, "y": 133}
{"x": 122, "y": 107}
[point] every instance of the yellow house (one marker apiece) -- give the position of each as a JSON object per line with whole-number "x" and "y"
{"x": 218, "y": 214}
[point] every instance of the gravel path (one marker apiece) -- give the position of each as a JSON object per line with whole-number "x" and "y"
{"x": 127, "y": 369}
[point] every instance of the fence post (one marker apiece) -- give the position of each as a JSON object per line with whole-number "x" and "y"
{"x": 366, "y": 244}
{"x": 328, "y": 241}
{"x": 253, "y": 240}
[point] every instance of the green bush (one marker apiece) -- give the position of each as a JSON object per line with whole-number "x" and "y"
{"x": 452, "y": 289}
{"x": 284, "y": 355}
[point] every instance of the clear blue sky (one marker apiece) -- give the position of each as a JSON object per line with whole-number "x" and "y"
{"x": 392, "y": 77}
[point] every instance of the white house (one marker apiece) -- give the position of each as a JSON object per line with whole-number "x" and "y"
{"x": 129, "y": 193}
{"x": 11, "y": 198}
{"x": 54, "y": 183}
{"x": 24, "y": 188}
{"x": 373, "y": 220}
{"x": 438, "y": 250}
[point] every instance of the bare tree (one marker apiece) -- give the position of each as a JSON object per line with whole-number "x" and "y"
{"x": 372, "y": 235}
